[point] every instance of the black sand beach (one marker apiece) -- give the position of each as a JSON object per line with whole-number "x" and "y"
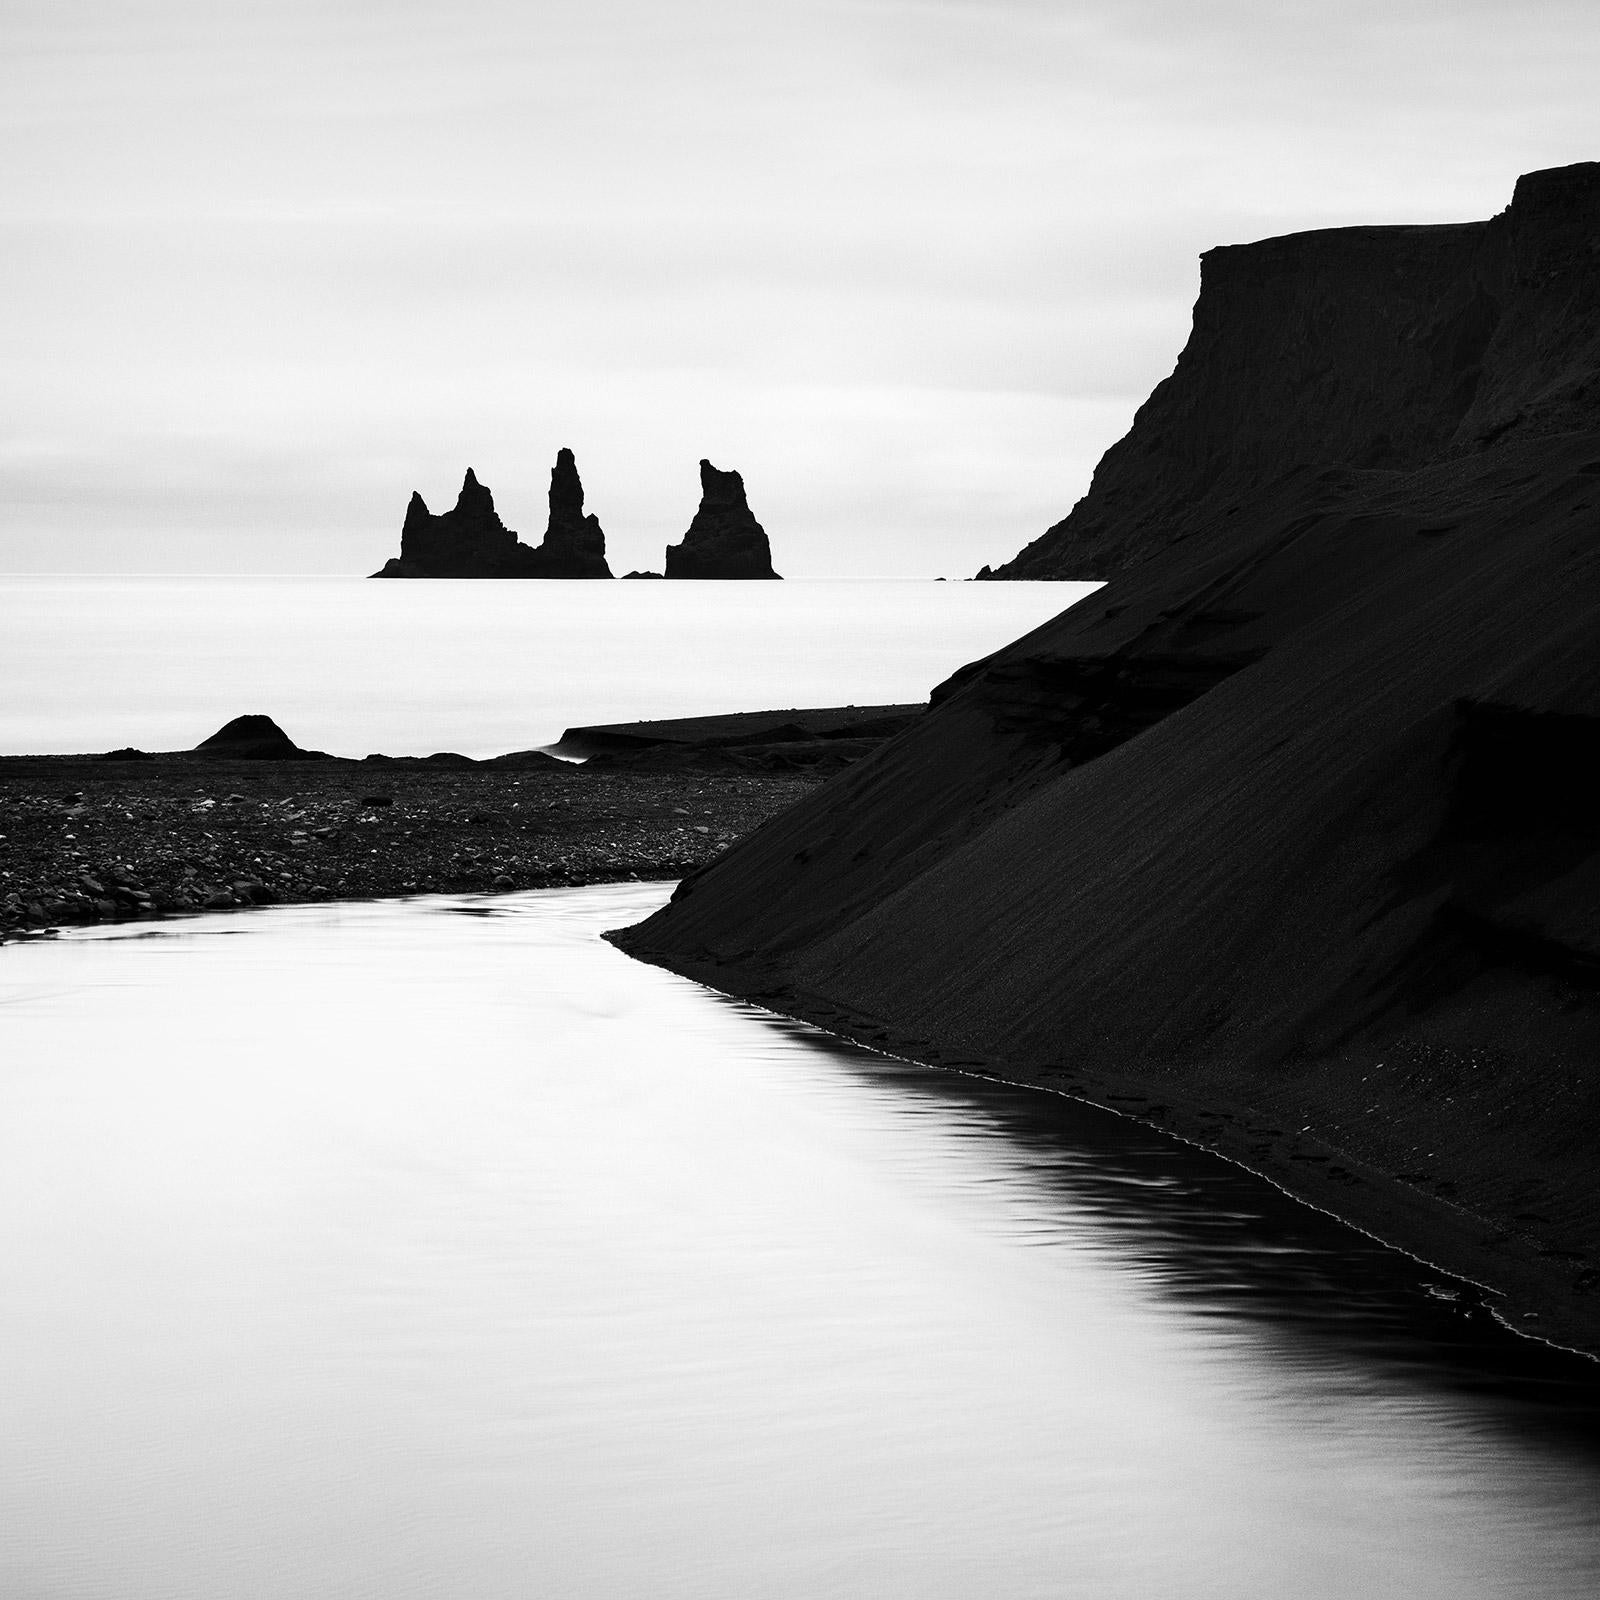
{"x": 248, "y": 819}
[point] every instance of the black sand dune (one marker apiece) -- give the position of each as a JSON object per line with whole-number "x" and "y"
{"x": 1290, "y": 837}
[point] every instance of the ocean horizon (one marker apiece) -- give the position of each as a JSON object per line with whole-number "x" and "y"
{"x": 160, "y": 661}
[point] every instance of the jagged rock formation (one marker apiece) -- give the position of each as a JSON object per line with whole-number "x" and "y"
{"x": 1370, "y": 348}
{"x": 574, "y": 545}
{"x": 1297, "y": 823}
{"x": 724, "y": 540}
{"x": 470, "y": 541}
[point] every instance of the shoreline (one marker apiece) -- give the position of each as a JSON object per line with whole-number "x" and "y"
{"x": 179, "y": 834}
{"x": 1503, "y": 1273}
{"x": 85, "y": 840}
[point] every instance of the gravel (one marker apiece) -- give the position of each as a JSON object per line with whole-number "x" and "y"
{"x": 86, "y": 839}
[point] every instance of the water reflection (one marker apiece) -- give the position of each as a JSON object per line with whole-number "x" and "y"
{"x": 389, "y": 1250}
{"x": 1216, "y": 1241}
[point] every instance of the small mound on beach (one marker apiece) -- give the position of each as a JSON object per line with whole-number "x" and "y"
{"x": 252, "y": 738}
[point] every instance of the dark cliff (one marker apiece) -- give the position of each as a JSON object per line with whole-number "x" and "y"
{"x": 470, "y": 540}
{"x": 1382, "y": 348}
{"x": 1295, "y": 826}
{"x": 724, "y": 540}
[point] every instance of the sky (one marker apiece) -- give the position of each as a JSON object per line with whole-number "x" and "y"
{"x": 909, "y": 265}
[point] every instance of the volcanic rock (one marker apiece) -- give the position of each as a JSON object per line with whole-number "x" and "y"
{"x": 574, "y": 545}
{"x": 1300, "y": 816}
{"x": 1370, "y": 348}
{"x": 724, "y": 540}
{"x": 470, "y": 541}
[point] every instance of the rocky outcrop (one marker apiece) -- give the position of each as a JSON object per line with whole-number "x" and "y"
{"x": 254, "y": 738}
{"x": 816, "y": 739}
{"x": 574, "y": 545}
{"x": 470, "y": 540}
{"x": 1296, "y": 825}
{"x": 1376, "y": 349}
{"x": 724, "y": 540}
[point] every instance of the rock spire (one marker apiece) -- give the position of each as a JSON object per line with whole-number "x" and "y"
{"x": 470, "y": 540}
{"x": 574, "y": 545}
{"x": 724, "y": 540}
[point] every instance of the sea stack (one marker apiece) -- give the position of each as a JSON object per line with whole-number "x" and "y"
{"x": 574, "y": 545}
{"x": 1289, "y": 838}
{"x": 470, "y": 541}
{"x": 724, "y": 540}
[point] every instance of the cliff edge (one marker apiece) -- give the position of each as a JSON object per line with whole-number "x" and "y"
{"x": 1374, "y": 348}
{"x": 1287, "y": 840}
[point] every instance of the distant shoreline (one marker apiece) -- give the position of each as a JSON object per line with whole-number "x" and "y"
{"x": 84, "y": 840}
{"x": 97, "y": 838}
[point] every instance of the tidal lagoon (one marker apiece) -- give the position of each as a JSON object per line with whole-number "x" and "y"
{"x": 434, "y": 1248}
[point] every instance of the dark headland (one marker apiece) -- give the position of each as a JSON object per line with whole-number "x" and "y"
{"x": 1288, "y": 840}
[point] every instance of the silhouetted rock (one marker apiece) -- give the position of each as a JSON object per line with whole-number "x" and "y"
{"x": 724, "y": 540}
{"x": 1299, "y": 818}
{"x": 574, "y": 545}
{"x": 470, "y": 540}
{"x": 637, "y": 574}
{"x": 525, "y": 761}
{"x": 253, "y": 738}
{"x": 731, "y": 729}
{"x": 1368, "y": 348}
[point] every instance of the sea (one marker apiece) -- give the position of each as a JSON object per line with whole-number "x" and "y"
{"x": 432, "y": 1249}
{"x": 354, "y": 666}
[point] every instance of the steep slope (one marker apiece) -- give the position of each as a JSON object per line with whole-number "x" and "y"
{"x": 1363, "y": 347}
{"x": 1290, "y": 837}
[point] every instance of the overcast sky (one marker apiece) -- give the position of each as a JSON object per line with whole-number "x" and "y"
{"x": 909, "y": 265}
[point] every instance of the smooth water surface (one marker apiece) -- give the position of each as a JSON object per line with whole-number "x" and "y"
{"x": 408, "y": 668}
{"x": 435, "y": 1249}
